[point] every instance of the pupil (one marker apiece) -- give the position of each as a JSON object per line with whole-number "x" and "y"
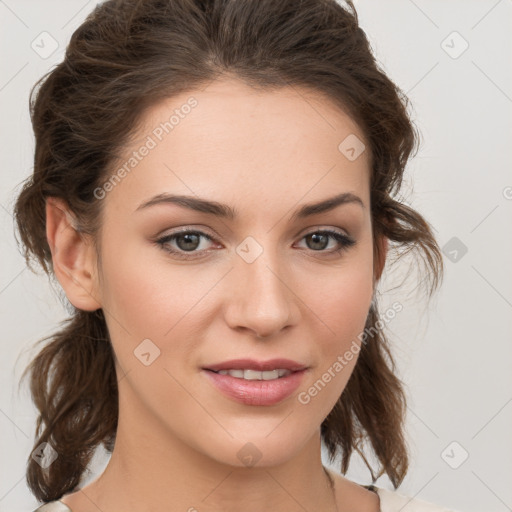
{"x": 316, "y": 237}
{"x": 188, "y": 236}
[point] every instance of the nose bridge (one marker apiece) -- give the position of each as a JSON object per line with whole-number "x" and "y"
{"x": 262, "y": 299}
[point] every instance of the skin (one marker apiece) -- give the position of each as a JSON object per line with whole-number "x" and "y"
{"x": 265, "y": 154}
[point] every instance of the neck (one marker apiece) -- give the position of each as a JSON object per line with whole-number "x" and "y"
{"x": 153, "y": 470}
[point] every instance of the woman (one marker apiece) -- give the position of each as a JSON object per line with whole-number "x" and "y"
{"x": 213, "y": 190}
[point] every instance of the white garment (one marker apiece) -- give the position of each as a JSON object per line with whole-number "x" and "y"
{"x": 390, "y": 501}
{"x": 393, "y": 501}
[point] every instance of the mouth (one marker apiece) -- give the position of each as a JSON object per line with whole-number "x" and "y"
{"x": 247, "y": 374}
{"x": 251, "y": 369}
{"x": 251, "y": 382}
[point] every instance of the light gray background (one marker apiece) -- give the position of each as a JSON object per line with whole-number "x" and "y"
{"x": 455, "y": 353}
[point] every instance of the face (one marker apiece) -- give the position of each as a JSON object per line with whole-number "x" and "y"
{"x": 184, "y": 290}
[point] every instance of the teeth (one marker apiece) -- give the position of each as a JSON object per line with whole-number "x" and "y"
{"x": 255, "y": 375}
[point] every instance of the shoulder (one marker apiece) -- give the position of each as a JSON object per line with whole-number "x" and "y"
{"x": 53, "y": 506}
{"x": 393, "y": 501}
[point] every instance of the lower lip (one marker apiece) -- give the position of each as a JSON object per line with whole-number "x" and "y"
{"x": 256, "y": 392}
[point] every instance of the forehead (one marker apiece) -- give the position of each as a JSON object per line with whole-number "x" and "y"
{"x": 233, "y": 143}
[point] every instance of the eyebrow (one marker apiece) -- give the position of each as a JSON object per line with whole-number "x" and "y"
{"x": 227, "y": 212}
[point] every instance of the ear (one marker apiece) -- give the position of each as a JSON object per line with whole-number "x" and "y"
{"x": 73, "y": 256}
{"x": 380, "y": 260}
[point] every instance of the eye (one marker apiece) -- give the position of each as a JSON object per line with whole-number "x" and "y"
{"x": 188, "y": 242}
{"x": 319, "y": 240}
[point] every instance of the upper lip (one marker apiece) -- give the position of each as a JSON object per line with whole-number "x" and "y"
{"x": 252, "y": 364}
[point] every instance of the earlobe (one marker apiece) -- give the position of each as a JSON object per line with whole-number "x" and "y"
{"x": 73, "y": 256}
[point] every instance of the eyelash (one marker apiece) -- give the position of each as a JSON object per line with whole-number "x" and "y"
{"x": 345, "y": 242}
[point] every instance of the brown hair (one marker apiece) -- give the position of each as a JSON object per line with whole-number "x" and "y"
{"x": 125, "y": 57}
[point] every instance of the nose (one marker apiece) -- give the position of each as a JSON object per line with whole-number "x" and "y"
{"x": 262, "y": 296}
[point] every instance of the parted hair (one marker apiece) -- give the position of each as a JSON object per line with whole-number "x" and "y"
{"x": 127, "y": 56}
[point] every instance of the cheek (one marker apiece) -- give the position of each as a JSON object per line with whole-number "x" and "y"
{"x": 340, "y": 311}
{"x": 347, "y": 309}
{"x": 343, "y": 310}
{"x": 150, "y": 302}
{"x": 340, "y": 300}
{"x": 144, "y": 294}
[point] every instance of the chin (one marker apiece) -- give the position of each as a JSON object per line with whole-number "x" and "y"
{"x": 261, "y": 449}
